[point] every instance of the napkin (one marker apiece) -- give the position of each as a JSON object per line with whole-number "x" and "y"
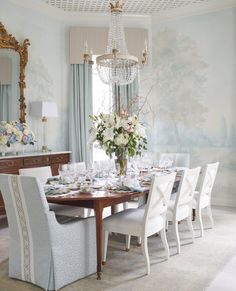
{"x": 130, "y": 184}
{"x": 57, "y": 191}
{"x": 52, "y": 180}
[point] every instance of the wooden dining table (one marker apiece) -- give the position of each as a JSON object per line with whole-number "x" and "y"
{"x": 96, "y": 200}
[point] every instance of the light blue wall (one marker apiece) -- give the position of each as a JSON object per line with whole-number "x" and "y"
{"x": 193, "y": 99}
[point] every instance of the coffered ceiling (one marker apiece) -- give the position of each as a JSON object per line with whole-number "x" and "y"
{"x": 130, "y": 6}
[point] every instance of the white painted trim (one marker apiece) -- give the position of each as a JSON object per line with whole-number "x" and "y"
{"x": 189, "y": 11}
{"x": 56, "y": 13}
{"x": 85, "y": 19}
{"x": 224, "y": 202}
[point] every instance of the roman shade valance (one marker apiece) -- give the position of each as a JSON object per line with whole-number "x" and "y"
{"x": 97, "y": 41}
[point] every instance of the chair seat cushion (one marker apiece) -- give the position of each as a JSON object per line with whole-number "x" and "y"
{"x": 65, "y": 219}
{"x": 130, "y": 222}
{"x": 182, "y": 212}
{"x": 204, "y": 201}
{"x": 173, "y": 196}
{"x": 66, "y": 210}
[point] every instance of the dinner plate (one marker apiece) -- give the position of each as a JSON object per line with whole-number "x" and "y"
{"x": 97, "y": 186}
{"x": 73, "y": 188}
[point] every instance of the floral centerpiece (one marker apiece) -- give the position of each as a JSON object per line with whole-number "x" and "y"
{"x": 15, "y": 132}
{"x": 120, "y": 135}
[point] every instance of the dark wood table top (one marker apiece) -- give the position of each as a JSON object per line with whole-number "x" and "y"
{"x": 93, "y": 195}
{"x": 98, "y": 195}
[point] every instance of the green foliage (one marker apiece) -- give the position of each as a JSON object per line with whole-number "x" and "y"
{"x": 121, "y": 135}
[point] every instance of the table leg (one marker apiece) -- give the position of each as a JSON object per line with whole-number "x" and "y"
{"x": 98, "y": 212}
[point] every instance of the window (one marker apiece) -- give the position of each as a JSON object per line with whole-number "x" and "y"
{"x": 102, "y": 103}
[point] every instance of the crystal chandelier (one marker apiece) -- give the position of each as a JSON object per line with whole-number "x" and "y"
{"x": 117, "y": 66}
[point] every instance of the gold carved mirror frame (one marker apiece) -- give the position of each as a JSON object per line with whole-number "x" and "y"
{"x": 9, "y": 42}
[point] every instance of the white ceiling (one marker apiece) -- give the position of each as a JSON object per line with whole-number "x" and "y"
{"x": 130, "y": 6}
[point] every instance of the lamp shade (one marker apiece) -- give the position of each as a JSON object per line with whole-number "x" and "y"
{"x": 43, "y": 109}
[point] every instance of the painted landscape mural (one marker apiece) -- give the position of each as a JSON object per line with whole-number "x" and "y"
{"x": 192, "y": 94}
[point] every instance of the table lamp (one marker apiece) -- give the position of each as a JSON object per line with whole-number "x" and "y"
{"x": 43, "y": 110}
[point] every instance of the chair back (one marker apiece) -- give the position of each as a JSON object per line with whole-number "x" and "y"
{"x": 208, "y": 179}
{"x": 80, "y": 167}
{"x": 178, "y": 159}
{"x": 187, "y": 187}
{"x": 76, "y": 167}
{"x": 159, "y": 196}
{"x": 27, "y": 213}
{"x": 166, "y": 160}
{"x": 182, "y": 160}
{"x": 42, "y": 173}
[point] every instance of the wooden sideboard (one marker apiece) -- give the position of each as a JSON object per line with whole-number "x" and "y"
{"x": 12, "y": 164}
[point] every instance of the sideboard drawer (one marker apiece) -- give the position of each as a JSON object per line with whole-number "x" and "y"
{"x": 60, "y": 159}
{"x": 36, "y": 161}
{"x": 10, "y": 164}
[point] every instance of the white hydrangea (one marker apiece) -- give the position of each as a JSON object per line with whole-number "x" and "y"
{"x": 26, "y": 131}
{"x": 3, "y": 139}
{"x": 108, "y": 134}
{"x": 121, "y": 139}
{"x": 19, "y": 135}
{"x": 9, "y": 128}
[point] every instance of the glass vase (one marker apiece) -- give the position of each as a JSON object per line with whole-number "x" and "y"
{"x": 121, "y": 165}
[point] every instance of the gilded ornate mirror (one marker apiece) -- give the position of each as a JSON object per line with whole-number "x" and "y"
{"x": 13, "y": 60}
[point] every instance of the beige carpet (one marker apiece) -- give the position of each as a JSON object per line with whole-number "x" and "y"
{"x": 193, "y": 270}
{"x": 226, "y": 280}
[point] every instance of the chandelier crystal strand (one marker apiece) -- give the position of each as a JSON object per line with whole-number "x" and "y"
{"x": 116, "y": 35}
{"x": 117, "y": 66}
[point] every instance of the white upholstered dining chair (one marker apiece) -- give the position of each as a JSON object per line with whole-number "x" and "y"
{"x": 202, "y": 197}
{"x": 42, "y": 251}
{"x": 43, "y": 173}
{"x": 180, "y": 206}
{"x": 143, "y": 222}
{"x": 178, "y": 159}
{"x": 182, "y": 160}
{"x": 78, "y": 167}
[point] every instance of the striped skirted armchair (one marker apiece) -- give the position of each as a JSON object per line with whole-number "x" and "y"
{"x": 42, "y": 251}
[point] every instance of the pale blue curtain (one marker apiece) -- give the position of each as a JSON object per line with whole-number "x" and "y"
{"x": 128, "y": 95}
{"x": 5, "y": 95}
{"x": 80, "y": 107}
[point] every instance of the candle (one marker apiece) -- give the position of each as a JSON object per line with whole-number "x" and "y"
{"x": 86, "y": 47}
{"x": 145, "y": 46}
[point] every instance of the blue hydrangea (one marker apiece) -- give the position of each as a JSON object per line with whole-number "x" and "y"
{"x": 12, "y": 138}
{"x": 19, "y": 126}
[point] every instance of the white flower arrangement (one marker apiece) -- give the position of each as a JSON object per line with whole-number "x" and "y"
{"x": 121, "y": 135}
{"x": 13, "y": 132}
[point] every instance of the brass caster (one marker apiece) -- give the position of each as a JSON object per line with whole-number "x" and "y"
{"x": 138, "y": 245}
{"x": 103, "y": 263}
{"x": 127, "y": 250}
{"x": 99, "y": 274}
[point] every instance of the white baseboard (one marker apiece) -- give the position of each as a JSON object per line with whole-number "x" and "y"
{"x": 224, "y": 202}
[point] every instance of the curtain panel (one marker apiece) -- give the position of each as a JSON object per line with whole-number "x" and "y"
{"x": 80, "y": 107}
{"x": 125, "y": 97}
